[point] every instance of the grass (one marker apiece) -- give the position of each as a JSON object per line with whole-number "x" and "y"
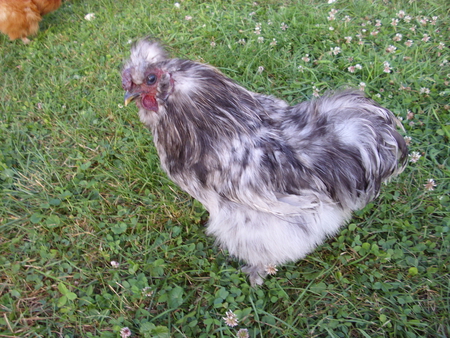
{"x": 81, "y": 184}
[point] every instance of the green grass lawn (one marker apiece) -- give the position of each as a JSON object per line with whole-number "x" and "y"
{"x": 94, "y": 238}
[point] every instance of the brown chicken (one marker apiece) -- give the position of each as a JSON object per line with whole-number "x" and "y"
{"x": 20, "y": 18}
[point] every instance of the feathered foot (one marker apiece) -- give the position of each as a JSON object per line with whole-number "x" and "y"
{"x": 256, "y": 274}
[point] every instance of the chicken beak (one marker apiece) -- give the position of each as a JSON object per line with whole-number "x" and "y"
{"x": 130, "y": 97}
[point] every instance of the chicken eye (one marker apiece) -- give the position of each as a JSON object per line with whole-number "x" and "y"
{"x": 151, "y": 79}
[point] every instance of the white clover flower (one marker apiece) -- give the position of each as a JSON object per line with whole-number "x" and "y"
{"x": 147, "y": 291}
{"x": 409, "y": 115}
{"x": 425, "y": 38}
{"x": 315, "y": 91}
{"x": 271, "y": 269}
{"x": 89, "y": 16}
{"x": 407, "y": 140}
{"x": 258, "y": 29}
{"x": 125, "y": 332}
{"x": 430, "y": 185}
{"x": 335, "y": 50}
{"x": 401, "y": 14}
{"x": 391, "y": 49}
{"x": 398, "y": 37}
{"x": 230, "y": 319}
{"x": 242, "y": 333}
{"x": 423, "y": 21}
{"x": 414, "y": 157}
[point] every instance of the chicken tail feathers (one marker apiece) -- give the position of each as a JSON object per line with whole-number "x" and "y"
{"x": 353, "y": 145}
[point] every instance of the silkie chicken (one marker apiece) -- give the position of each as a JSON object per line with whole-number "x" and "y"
{"x": 277, "y": 180}
{"x": 20, "y": 18}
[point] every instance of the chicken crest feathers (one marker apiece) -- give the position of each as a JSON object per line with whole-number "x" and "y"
{"x": 146, "y": 51}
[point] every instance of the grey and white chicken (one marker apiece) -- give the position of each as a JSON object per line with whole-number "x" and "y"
{"x": 276, "y": 179}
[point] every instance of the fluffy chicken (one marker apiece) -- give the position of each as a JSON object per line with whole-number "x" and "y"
{"x": 20, "y": 18}
{"x": 276, "y": 179}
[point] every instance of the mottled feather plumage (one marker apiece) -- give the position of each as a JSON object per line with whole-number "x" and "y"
{"x": 276, "y": 179}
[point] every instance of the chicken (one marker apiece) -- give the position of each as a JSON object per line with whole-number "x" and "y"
{"x": 277, "y": 180}
{"x": 20, "y": 18}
